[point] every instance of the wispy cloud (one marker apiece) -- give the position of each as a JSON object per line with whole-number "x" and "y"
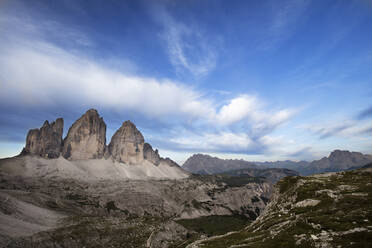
{"x": 366, "y": 113}
{"x": 285, "y": 15}
{"x": 36, "y": 73}
{"x": 347, "y": 128}
{"x": 187, "y": 46}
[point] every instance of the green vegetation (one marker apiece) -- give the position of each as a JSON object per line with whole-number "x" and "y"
{"x": 215, "y": 224}
{"x": 287, "y": 183}
{"x": 339, "y": 214}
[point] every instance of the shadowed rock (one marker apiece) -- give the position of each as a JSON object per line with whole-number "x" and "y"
{"x": 86, "y": 138}
{"x": 127, "y": 144}
{"x": 151, "y": 155}
{"x": 46, "y": 141}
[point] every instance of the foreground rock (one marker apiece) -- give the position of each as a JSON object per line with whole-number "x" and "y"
{"x": 46, "y": 141}
{"x": 58, "y": 212}
{"x": 325, "y": 210}
{"x": 86, "y": 138}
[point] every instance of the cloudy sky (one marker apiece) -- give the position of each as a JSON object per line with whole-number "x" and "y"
{"x": 258, "y": 80}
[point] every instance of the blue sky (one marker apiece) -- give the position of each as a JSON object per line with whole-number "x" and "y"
{"x": 258, "y": 80}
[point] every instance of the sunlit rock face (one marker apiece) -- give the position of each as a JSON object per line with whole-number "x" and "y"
{"x": 46, "y": 141}
{"x": 86, "y": 138}
{"x": 127, "y": 144}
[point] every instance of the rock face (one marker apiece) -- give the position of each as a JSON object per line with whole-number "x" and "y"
{"x": 298, "y": 214}
{"x": 86, "y": 138}
{"x": 46, "y": 141}
{"x": 127, "y": 144}
{"x": 151, "y": 155}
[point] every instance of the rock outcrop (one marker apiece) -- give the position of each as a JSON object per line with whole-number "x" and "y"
{"x": 86, "y": 138}
{"x": 127, "y": 144}
{"x": 46, "y": 141}
{"x": 151, "y": 155}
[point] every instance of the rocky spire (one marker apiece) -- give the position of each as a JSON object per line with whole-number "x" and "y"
{"x": 127, "y": 144}
{"x": 86, "y": 138}
{"x": 151, "y": 155}
{"x": 46, "y": 141}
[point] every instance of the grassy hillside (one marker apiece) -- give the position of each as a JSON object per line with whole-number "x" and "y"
{"x": 326, "y": 210}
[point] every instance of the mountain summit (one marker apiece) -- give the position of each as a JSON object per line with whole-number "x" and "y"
{"x": 83, "y": 153}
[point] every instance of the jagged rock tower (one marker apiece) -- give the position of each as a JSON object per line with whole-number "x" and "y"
{"x": 86, "y": 138}
{"x": 127, "y": 144}
{"x": 46, "y": 141}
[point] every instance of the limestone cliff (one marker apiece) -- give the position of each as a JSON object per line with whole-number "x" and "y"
{"x": 86, "y": 138}
{"x": 127, "y": 144}
{"x": 46, "y": 141}
{"x": 151, "y": 155}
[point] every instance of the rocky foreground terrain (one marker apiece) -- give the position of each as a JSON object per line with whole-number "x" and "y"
{"x": 325, "y": 210}
{"x": 79, "y": 192}
{"x": 55, "y": 212}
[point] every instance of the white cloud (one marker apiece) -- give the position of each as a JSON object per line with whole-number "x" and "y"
{"x": 251, "y": 110}
{"x": 44, "y": 74}
{"x": 35, "y": 73}
{"x": 238, "y": 109}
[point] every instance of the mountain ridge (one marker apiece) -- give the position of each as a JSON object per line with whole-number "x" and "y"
{"x": 338, "y": 160}
{"x": 84, "y": 155}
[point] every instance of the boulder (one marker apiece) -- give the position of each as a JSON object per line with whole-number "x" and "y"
{"x": 86, "y": 138}
{"x": 127, "y": 144}
{"x": 46, "y": 141}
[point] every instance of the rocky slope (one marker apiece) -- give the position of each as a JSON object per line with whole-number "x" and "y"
{"x": 46, "y": 141}
{"x": 59, "y": 212}
{"x": 325, "y": 210}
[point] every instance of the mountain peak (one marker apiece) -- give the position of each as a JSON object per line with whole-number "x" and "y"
{"x": 127, "y": 144}
{"x": 86, "y": 138}
{"x": 46, "y": 141}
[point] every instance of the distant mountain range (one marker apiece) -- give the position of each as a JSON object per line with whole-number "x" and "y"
{"x": 337, "y": 161}
{"x": 205, "y": 164}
